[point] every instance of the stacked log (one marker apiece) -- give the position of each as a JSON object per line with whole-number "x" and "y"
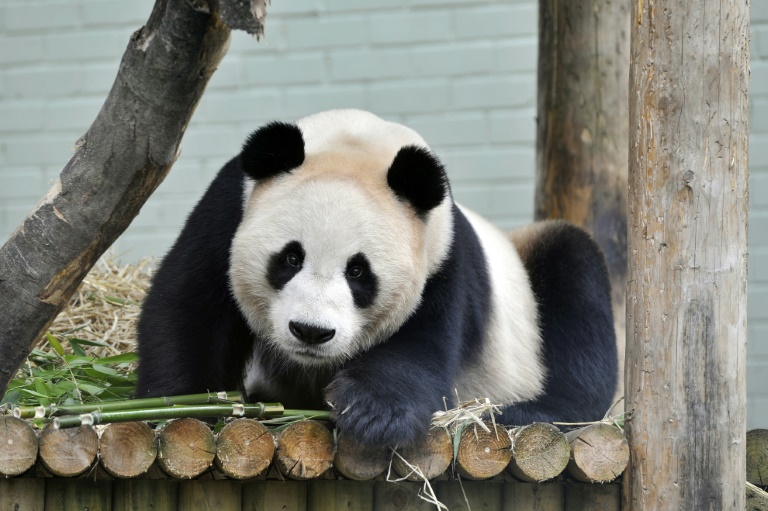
{"x": 244, "y": 449}
{"x": 757, "y": 457}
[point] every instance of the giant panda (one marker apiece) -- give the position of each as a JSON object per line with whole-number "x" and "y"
{"x": 327, "y": 265}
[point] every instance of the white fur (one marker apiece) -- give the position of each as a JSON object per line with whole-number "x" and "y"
{"x": 336, "y": 204}
{"x": 511, "y": 368}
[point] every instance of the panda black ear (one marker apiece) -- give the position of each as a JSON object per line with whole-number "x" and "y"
{"x": 417, "y": 176}
{"x": 272, "y": 149}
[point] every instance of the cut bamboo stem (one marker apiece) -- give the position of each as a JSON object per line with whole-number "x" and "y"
{"x": 432, "y": 456}
{"x": 68, "y": 452}
{"x": 305, "y": 449}
{"x": 540, "y": 452}
{"x": 757, "y": 457}
{"x": 255, "y": 410}
{"x": 483, "y": 454}
{"x": 127, "y": 449}
{"x": 599, "y": 453}
{"x": 244, "y": 449}
{"x": 18, "y": 446}
{"x": 186, "y": 448}
{"x": 360, "y": 462}
{"x": 29, "y": 412}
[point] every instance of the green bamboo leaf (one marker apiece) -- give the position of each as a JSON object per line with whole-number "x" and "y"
{"x": 36, "y": 394}
{"x": 91, "y": 389}
{"x": 12, "y": 396}
{"x": 87, "y": 342}
{"x": 118, "y": 301}
{"x": 54, "y": 342}
{"x": 76, "y": 348}
{"x": 104, "y": 369}
{"x": 120, "y": 359}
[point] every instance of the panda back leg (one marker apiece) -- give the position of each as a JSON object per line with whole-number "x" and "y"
{"x": 570, "y": 281}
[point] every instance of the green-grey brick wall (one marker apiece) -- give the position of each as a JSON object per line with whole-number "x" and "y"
{"x": 461, "y": 72}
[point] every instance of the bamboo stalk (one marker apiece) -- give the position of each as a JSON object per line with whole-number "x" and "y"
{"x": 37, "y": 412}
{"x": 255, "y": 410}
{"x": 244, "y": 449}
{"x": 18, "y": 446}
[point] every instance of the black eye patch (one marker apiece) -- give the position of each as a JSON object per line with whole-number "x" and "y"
{"x": 284, "y": 265}
{"x": 362, "y": 281}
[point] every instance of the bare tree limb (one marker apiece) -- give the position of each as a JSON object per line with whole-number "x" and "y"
{"x": 117, "y": 164}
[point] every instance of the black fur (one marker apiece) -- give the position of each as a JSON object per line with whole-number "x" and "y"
{"x": 418, "y": 177}
{"x": 192, "y": 336}
{"x": 365, "y": 286}
{"x": 280, "y": 270}
{"x": 272, "y": 149}
{"x": 571, "y": 285}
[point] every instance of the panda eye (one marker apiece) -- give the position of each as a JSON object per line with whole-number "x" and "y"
{"x": 292, "y": 259}
{"x": 355, "y": 272}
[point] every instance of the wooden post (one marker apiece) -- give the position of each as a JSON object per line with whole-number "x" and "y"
{"x": 581, "y": 135}
{"x": 687, "y": 310}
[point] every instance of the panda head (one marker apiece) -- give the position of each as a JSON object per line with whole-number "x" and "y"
{"x": 345, "y": 218}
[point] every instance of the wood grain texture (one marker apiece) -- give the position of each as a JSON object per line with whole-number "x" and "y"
{"x": 687, "y": 310}
{"x": 533, "y": 497}
{"x": 599, "y": 453}
{"x": 127, "y": 449}
{"x": 18, "y": 446}
{"x": 244, "y": 449}
{"x": 390, "y": 496}
{"x": 280, "y": 495}
{"x": 22, "y": 494}
{"x": 305, "y": 450}
{"x": 360, "y": 462}
{"x": 582, "y": 129}
{"x": 186, "y": 448}
{"x": 144, "y": 494}
{"x": 210, "y": 495}
{"x": 432, "y": 455}
{"x": 118, "y": 163}
{"x": 68, "y": 452}
{"x": 540, "y": 452}
{"x": 331, "y": 495}
{"x": 478, "y": 494}
{"x": 483, "y": 454}
{"x": 77, "y": 495}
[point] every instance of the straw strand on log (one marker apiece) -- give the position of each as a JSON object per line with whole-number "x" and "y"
{"x": 432, "y": 455}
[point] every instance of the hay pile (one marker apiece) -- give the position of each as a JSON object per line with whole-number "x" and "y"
{"x": 105, "y": 308}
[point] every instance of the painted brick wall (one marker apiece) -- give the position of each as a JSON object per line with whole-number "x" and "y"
{"x": 461, "y": 72}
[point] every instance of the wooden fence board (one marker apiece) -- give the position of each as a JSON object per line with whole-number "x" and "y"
{"x": 144, "y": 494}
{"x": 329, "y": 495}
{"x": 22, "y": 494}
{"x": 268, "y": 495}
{"x": 210, "y": 495}
{"x": 533, "y": 497}
{"x": 77, "y": 495}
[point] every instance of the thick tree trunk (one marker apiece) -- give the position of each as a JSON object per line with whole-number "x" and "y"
{"x": 582, "y": 126}
{"x": 687, "y": 310}
{"x": 117, "y": 164}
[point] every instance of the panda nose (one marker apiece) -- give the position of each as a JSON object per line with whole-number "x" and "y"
{"x": 310, "y": 334}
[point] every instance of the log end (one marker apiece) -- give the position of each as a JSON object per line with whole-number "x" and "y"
{"x": 599, "y": 453}
{"x": 432, "y": 456}
{"x": 18, "y": 446}
{"x": 68, "y": 452}
{"x": 127, "y": 449}
{"x": 540, "y": 452}
{"x": 244, "y": 449}
{"x": 359, "y": 462}
{"x": 483, "y": 454}
{"x": 186, "y": 448}
{"x": 305, "y": 449}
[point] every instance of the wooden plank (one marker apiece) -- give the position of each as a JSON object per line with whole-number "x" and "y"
{"x": 269, "y": 495}
{"x": 77, "y": 495}
{"x": 210, "y": 495}
{"x": 533, "y": 497}
{"x": 143, "y": 494}
{"x": 329, "y": 495}
{"x": 485, "y": 495}
{"x": 22, "y": 494}
{"x": 390, "y": 496}
{"x": 602, "y": 497}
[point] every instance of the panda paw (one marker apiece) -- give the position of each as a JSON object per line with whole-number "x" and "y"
{"x": 375, "y": 417}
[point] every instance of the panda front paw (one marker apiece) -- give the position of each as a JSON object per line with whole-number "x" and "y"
{"x": 374, "y": 416}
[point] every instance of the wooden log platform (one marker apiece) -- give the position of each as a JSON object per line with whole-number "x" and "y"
{"x": 300, "y": 466}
